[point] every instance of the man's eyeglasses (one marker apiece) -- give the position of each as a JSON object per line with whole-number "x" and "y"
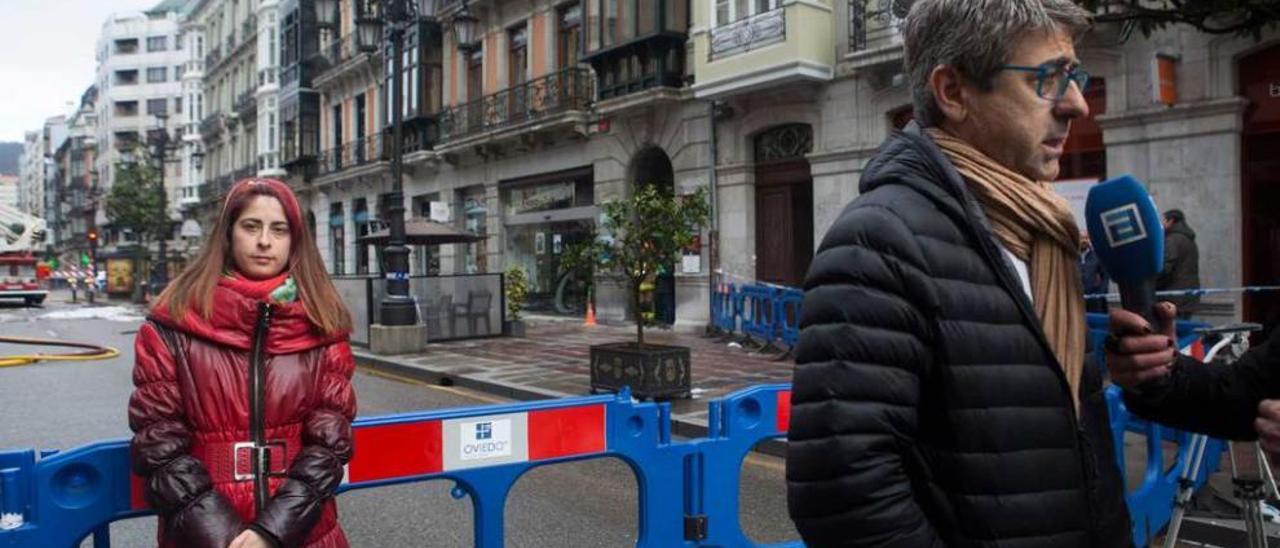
{"x": 1053, "y": 78}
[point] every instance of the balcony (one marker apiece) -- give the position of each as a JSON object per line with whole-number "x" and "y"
{"x": 361, "y": 152}
{"x": 214, "y": 190}
{"x": 212, "y": 58}
{"x": 874, "y": 38}
{"x": 340, "y": 58}
{"x": 250, "y": 27}
{"x": 246, "y": 107}
{"x": 190, "y": 200}
{"x": 211, "y": 127}
{"x": 555, "y": 100}
{"x": 786, "y": 45}
{"x": 652, "y": 62}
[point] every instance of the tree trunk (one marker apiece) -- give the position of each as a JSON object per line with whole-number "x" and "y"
{"x": 635, "y": 296}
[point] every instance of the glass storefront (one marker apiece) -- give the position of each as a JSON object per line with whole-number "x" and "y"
{"x": 543, "y": 216}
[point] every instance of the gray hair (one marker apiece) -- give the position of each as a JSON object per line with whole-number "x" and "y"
{"x": 976, "y": 37}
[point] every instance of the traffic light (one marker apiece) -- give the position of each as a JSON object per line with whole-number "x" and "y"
{"x": 84, "y": 260}
{"x": 93, "y": 235}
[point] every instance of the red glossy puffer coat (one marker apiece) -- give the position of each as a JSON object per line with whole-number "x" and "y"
{"x": 187, "y": 415}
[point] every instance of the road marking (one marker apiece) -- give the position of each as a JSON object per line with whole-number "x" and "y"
{"x": 463, "y": 392}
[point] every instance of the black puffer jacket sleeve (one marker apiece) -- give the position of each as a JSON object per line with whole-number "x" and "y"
{"x": 1218, "y": 400}
{"x": 316, "y": 473}
{"x": 176, "y": 484}
{"x": 863, "y": 351}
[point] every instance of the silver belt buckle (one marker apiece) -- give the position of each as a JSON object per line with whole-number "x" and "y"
{"x": 235, "y": 460}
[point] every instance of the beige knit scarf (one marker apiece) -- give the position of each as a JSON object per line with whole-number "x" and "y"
{"x": 1036, "y": 225}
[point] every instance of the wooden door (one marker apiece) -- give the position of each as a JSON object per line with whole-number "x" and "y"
{"x": 784, "y": 223}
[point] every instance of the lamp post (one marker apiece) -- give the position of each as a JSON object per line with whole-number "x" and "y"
{"x": 162, "y": 145}
{"x": 396, "y": 17}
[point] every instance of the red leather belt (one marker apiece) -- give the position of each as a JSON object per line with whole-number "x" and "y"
{"x": 230, "y": 462}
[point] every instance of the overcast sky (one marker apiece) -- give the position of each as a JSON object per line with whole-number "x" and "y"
{"x": 46, "y": 57}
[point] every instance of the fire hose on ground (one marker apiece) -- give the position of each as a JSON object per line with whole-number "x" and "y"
{"x": 92, "y": 352}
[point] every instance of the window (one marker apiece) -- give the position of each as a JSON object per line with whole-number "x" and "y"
{"x": 126, "y": 46}
{"x": 609, "y": 23}
{"x": 126, "y": 77}
{"x": 728, "y": 11}
{"x": 337, "y": 244}
{"x": 177, "y": 42}
{"x": 157, "y": 75}
{"x": 360, "y": 214}
{"x": 157, "y": 106}
{"x": 517, "y": 56}
{"x": 178, "y": 71}
{"x": 177, "y": 105}
{"x": 124, "y": 109}
{"x": 475, "y": 75}
{"x": 157, "y": 43}
{"x": 569, "y": 35}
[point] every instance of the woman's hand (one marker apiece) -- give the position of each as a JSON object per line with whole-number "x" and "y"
{"x": 250, "y": 539}
{"x": 1136, "y": 353}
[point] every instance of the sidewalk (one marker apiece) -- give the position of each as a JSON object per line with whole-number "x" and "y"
{"x": 552, "y": 362}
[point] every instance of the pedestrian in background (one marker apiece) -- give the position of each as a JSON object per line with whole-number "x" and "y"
{"x": 941, "y": 395}
{"x": 243, "y": 359}
{"x": 1181, "y": 263}
{"x": 1093, "y": 276}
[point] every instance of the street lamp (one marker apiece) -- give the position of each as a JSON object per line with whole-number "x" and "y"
{"x": 162, "y": 145}
{"x": 466, "y": 29}
{"x": 397, "y": 17}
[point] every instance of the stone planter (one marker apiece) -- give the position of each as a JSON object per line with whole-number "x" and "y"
{"x": 513, "y": 328}
{"x": 652, "y": 371}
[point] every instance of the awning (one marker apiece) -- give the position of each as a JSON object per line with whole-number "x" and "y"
{"x": 423, "y": 232}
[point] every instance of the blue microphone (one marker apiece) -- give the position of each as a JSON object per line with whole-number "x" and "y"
{"x": 1127, "y": 233}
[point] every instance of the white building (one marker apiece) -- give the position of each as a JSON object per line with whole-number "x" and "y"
{"x": 31, "y": 175}
{"x": 9, "y": 191}
{"x": 232, "y": 79}
{"x": 140, "y": 65}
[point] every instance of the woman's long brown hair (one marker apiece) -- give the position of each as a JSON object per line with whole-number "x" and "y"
{"x": 193, "y": 288}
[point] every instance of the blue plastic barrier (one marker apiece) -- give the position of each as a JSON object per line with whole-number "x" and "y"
{"x": 759, "y": 313}
{"x": 67, "y": 496}
{"x": 787, "y": 305}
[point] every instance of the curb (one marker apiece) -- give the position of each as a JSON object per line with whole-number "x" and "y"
{"x": 688, "y": 428}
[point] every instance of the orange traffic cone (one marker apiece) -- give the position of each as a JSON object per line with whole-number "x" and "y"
{"x": 591, "y": 315}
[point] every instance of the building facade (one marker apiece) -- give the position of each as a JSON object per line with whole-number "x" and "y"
{"x": 31, "y": 175}
{"x": 233, "y": 80}
{"x": 139, "y": 73}
{"x": 774, "y": 106}
{"x": 78, "y": 181}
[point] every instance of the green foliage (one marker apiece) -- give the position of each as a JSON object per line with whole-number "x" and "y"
{"x": 516, "y": 287}
{"x": 135, "y": 201}
{"x": 647, "y": 232}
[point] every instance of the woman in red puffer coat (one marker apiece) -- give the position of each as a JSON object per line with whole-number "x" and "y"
{"x": 243, "y": 403}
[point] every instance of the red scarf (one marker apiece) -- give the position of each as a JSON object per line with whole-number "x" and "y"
{"x": 257, "y": 290}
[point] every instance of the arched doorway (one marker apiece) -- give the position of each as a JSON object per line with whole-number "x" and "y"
{"x": 651, "y": 166}
{"x": 1259, "y": 82}
{"x": 784, "y": 204}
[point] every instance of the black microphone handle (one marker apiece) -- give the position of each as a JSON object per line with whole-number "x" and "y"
{"x": 1139, "y": 297}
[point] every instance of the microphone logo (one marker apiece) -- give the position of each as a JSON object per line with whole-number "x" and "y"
{"x": 1123, "y": 225}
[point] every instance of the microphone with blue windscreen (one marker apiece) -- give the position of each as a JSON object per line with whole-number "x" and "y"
{"x": 1127, "y": 233}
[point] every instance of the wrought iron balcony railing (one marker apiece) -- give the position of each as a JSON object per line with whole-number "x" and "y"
{"x": 246, "y": 106}
{"x": 212, "y": 58}
{"x": 250, "y": 27}
{"x": 336, "y": 53}
{"x": 353, "y": 154}
{"x": 211, "y": 126}
{"x": 567, "y": 90}
{"x": 754, "y": 32}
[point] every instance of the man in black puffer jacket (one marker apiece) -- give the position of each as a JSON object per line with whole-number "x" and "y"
{"x": 941, "y": 395}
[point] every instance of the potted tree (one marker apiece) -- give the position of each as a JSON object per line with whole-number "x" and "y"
{"x": 516, "y": 288}
{"x": 646, "y": 233}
